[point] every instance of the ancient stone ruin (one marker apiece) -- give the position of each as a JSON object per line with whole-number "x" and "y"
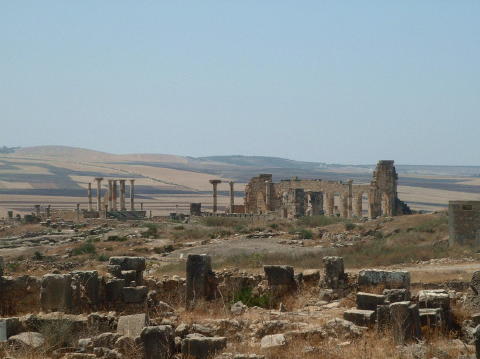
{"x": 464, "y": 222}
{"x": 296, "y": 197}
{"x": 113, "y": 206}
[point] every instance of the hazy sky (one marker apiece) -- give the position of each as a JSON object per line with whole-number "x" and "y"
{"x": 329, "y": 81}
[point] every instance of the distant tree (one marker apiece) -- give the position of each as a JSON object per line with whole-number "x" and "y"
{"x": 6, "y": 149}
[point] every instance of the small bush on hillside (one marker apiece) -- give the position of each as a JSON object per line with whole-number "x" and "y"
{"x": 58, "y": 334}
{"x": 165, "y": 249}
{"x": 85, "y": 248}
{"x": 302, "y": 233}
{"x": 349, "y": 226}
{"x": 152, "y": 230}
{"x": 103, "y": 258}
{"x": 434, "y": 224}
{"x": 246, "y": 296}
{"x": 13, "y": 266}
{"x": 37, "y": 256}
{"x": 179, "y": 228}
{"x": 116, "y": 238}
{"x": 274, "y": 226}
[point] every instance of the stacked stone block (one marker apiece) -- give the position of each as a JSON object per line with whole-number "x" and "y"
{"x": 127, "y": 286}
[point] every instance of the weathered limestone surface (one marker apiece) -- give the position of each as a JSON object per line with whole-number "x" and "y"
{"x": 132, "y": 325}
{"x": 389, "y": 279}
{"x": 262, "y": 195}
{"x": 396, "y": 295}
{"x": 196, "y": 347}
{"x": 432, "y": 317}
{"x": 29, "y": 340}
{"x": 195, "y": 209}
{"x": 382, "y": 318}
{"x": 334, "y": 272}
{"x": 405, "y": 320}
{"x": 200, "y": 279}
{"x": 369, "y": 301}
{"x": 134, "y": 294}
{"x": 273, "y": 341}
{"x": 363, "y": 318}
{"x": 434, "y": 298}
{"x": 158, "y": 342}
{"x": 475, "y": 282}
{"x": 56, "y": 293}
{"x": 464, "y": 222}
{"x": 279, "y": 275}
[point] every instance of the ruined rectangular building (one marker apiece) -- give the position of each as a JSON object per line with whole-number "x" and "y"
{"x": 464, "y": 222}
{"x": 296, "y": 197}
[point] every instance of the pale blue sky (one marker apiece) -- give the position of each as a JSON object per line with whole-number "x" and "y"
{"x": 329, "y": 81}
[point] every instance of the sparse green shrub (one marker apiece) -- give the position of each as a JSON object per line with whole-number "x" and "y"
{"x": 179, "y": 228}
{"x": 116, "y": 238}
{"x": 350, "y": 226}
{"x": 274, "y": 226}
{"x": 85, "y": 248}
{"x": 37, "y": 256}
{"x": 152, "y": 230}
{"x": 305, "y": 233}
{"x": 13, "y": 266}
{"x": 59, "y": 333}
{"x": 246, "y": 296}
{"x": 432, "y": 225}
{"x": 240, "y": 228}
{"x": 103, "y": 257}
{"x": 165, "y": 249}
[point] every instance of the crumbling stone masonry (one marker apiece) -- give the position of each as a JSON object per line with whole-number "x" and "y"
{"x": 297, "y": 197}
{"x": 464, "y": 222}
{"x": 200, "y": 279}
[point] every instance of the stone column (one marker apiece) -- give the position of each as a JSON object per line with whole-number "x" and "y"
{"x": 132, "y": 195}
{"x": 47, "y": 211}
{"x": 89, "y": 193}
{"x": 122, "y": 195}
{"x": 110, "y": 195}
{"x": 350, "y": 199}
{"x": 215, "y": 184}
{"x": 78, "y": 212}
{"x": 316, "y": 203}
{"x": 268, "y": 195}
{"x": 330, "y": 203}
{"x": 199, "y": 279}
{"x": 37, "y": 210}
{"x": 373, "y": 203}
{"x": 232, "y": 197}
{"x": 359, "y": 205}
{"x": 99, "y": 194}
{"x": 344, "y": 205}
{"x": 114, "y": 195}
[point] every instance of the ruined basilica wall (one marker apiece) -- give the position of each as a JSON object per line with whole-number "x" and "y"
{"x": 328, "y": 188}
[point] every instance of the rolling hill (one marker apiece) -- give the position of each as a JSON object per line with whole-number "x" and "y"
{"x": 59, "y": 175}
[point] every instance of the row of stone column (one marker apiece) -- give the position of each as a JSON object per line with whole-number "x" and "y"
{"x": 215, "y": 183}
{"x": 112, "y": 194}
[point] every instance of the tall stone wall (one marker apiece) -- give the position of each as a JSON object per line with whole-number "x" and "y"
{"x": 464, "y": 222}
{"x": 332, "y": 197}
